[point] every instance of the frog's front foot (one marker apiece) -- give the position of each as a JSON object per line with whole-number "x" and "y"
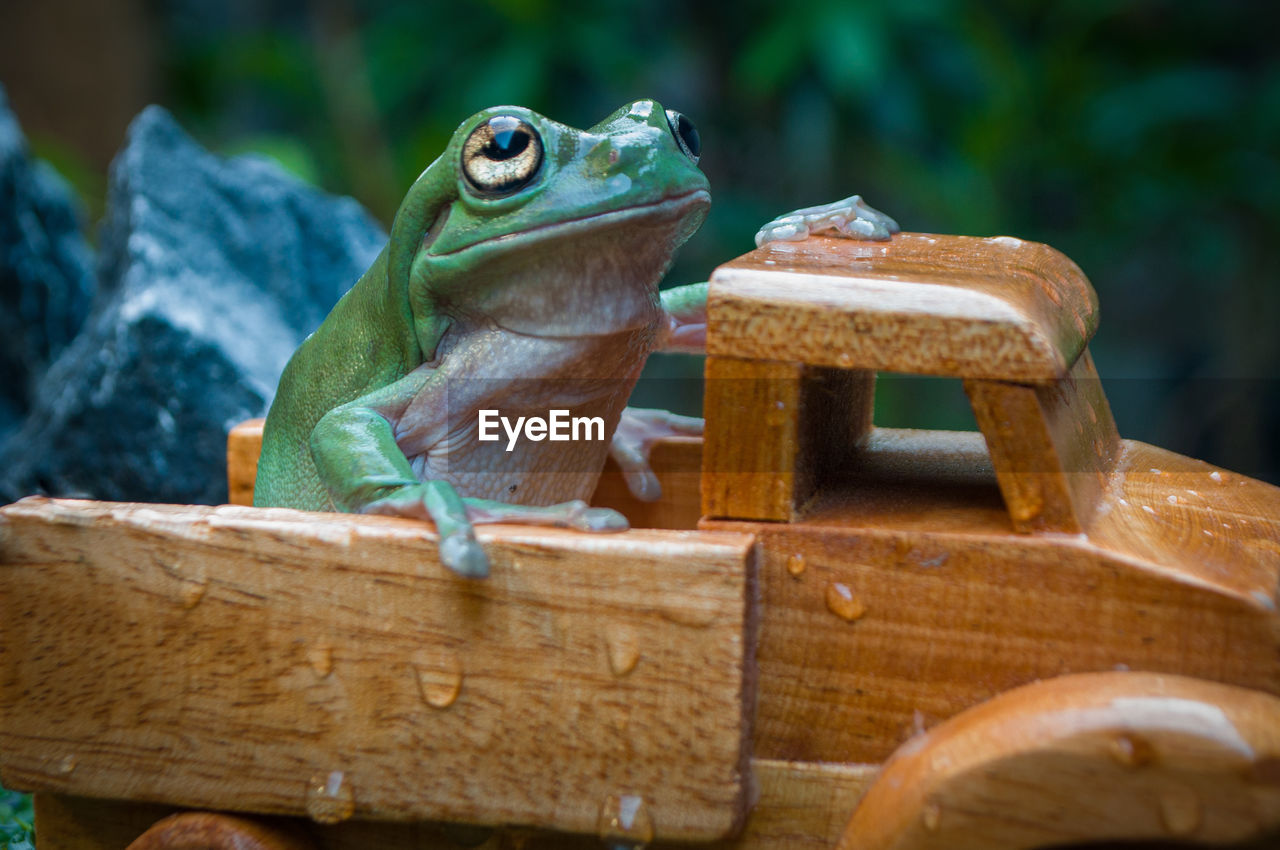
{"x": 638, "y": 430}
{"x": 440, "y": 503}
{"x": 851, "y": 217}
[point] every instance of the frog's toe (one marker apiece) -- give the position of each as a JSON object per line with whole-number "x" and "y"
{"x": 867, "y": 228}
{"x": 785, "y": 229}
{"x": 643, "y": 484}
{"x": 866, "y": 222}
{"x": 598, "y": 519}
{"x": 464, "y": 555}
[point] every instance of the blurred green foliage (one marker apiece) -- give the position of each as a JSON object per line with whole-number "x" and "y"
{"x": 1140, "y": 138}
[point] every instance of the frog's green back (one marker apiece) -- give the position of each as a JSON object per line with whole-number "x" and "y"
{"x": 356, "y": 349}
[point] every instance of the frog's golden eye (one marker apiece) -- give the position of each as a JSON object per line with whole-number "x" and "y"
{"x": 501, "y": 156}
{"x": 686, "y": 135}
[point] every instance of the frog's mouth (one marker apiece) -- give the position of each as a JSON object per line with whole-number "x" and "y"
{"x": 670, "y": 206}
{"x": 596, "y": 275}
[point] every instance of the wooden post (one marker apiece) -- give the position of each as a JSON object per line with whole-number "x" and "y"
{"x": 774, "y": 433}
{"x": 1052, "y": 445}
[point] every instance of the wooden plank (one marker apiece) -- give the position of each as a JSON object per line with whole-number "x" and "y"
{"x": 799, "y": 807}
{"x": 1052, "y": 445}
{"x": 877, "y": 620}
{"x": 774, "y": 433}
{"x": 1111, "y": 756}
{"x": 999, "y": 309}
{"x": 244, "y": 445}
{"x": 802, "y": 806}
{"x": 287, "y": 662}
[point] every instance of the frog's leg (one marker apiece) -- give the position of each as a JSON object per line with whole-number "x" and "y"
{"x": 851, "y": 217}
{"x": 686, "y": 309}
{"x": 365, "y": 471}
{"x": 638, "y": 430}
{"x": 355, "y": 452}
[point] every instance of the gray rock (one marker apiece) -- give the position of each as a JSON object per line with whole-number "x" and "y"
{"x": 211, "y": 273}
{"x": 46, "y": 270}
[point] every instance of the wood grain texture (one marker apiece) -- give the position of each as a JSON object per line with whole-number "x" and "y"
{"x": 244, "y": 445}
{"x": 999, "y": 309}
{"x": 904, "y": 596}
{"x": 1053, "y": 446}
{"x": 278, "y": 661}
{"x": 750, "y": 459}
{"x": 799, "y": 807}
{"x": 774, "y": 433}
{"x": 677, "y": 462}
{"x": 1083, "y": 758}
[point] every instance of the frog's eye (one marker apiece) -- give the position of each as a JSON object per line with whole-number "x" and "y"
{"x": 686, "y": 135}
{"x": 501, "y": 156}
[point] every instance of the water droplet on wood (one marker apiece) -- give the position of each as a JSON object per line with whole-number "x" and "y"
{"x": 623, "y": 648}
{"x": 932, "y": 816}
{"x": 320, "y": 657}
{"x": 796, "y": 565}
{"x": 691, "y": 611}
{"x": 330, "y": 798}
{"x": 842, "y": 602}
{"x": 1131, "y": 751}
{"x": 440, "y": 681}
{"x": 191, "y": 593}
{"x": 65, "y": 765}
{"x": 624, "y": 820}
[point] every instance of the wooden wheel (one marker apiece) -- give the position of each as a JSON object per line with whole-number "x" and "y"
{"x": 1091, "y": 757}
{"x": 213, "y": 831}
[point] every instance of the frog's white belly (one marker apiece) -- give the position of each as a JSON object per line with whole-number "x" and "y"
{"x": 514, "y": 376}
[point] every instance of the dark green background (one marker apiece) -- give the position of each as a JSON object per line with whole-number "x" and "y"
{"x": 1139, "y": 138}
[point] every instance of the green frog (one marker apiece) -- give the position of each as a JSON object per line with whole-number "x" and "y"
{"x": 521, "y": 276}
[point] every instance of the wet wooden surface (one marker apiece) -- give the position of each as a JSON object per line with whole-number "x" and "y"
{"x": 998, "y": 309}
{"x": 799, "y": 807}
{"x": 1114, "y": 756}
{"x": 903, "y": 595}
{"x": 279, "y": 661}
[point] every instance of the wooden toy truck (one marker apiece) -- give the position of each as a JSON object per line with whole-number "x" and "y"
{"x": 832, "y": 635}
